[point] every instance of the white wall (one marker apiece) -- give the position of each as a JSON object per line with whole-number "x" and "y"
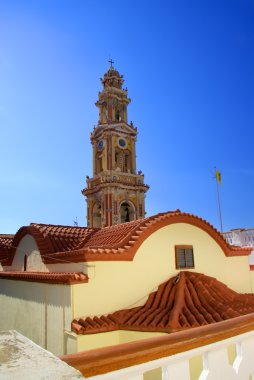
{"x": 39, "y": 311}
{"x": 27, "y": 246}
{"x": 68, "y": 267}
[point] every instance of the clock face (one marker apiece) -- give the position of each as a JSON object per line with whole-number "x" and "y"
{"x": 122, "y": 143}
{"x": 100, "y": 145}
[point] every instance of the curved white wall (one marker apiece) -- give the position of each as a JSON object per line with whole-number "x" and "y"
{"x": 27, "y": 246}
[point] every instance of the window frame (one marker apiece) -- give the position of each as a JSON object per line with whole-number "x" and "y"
{"x": 185, "y": 247}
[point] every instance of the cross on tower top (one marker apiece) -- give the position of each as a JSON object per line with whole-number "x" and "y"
{"x": 111, "y": 62}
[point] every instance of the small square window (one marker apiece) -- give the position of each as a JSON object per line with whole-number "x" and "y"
{"x": 184, "y": 256}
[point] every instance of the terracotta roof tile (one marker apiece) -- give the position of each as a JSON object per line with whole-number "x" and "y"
{"x": 64, "y": 238}
{"x": 5, "y": 245}
{"x": 51, "y": 238}
{"x": 114, "y": 236}
{"x": 188, "y": 300}
{"x": 119, "y": 242}
{"x": 47, "y": 277}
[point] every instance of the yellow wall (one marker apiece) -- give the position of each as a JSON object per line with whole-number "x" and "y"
{"x": 117, "y": 285}
{"x": 91, "y": 341}
{"x": 252, "y": 280}
{"x": 129, "y": 336}
{"x": 39, "y": 311}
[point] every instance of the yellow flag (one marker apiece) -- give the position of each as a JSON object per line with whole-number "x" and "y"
{"x": 218, "y": 176}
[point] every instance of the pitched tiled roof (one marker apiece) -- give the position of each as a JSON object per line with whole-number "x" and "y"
{"x": 47, "y": 277}
{"x": 5, "y": 246}
{"x": 188, "y": 300}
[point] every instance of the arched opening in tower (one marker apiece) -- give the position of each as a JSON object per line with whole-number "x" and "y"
{"x": 123, "y": 160}
{"x": 127, "y": 212}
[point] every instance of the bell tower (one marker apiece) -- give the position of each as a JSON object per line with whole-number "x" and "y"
{"x": 116, "y": 193}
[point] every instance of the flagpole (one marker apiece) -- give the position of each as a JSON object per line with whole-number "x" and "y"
{"x": 218, "y": 180}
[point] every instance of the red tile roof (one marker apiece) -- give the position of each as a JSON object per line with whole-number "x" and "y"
{"x": 47, "y": 277}
{"x": 119, "y": 242}
{"x": 114, "y": 236}
{"x": 188, "y": 300}
{"x": 5, "y": 246}
{"x": 51, "y": 238}
{"x": 63, "y": 238}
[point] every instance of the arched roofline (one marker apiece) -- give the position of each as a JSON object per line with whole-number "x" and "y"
{"x": 170, "y": 218}
{"x": 128, "y": 247}
{"x": 43, "y": 242}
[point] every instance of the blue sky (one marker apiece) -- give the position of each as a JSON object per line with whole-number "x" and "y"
{"x": 188, "y": 66}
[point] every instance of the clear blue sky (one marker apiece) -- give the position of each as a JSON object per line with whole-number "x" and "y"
{"x": 188, "y": 66}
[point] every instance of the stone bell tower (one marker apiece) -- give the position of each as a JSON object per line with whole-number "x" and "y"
{"x": 116, "y": 193}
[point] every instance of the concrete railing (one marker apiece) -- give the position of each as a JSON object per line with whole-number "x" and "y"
{"x": 240, "y": 237}
{"x": 173, "y": 354}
